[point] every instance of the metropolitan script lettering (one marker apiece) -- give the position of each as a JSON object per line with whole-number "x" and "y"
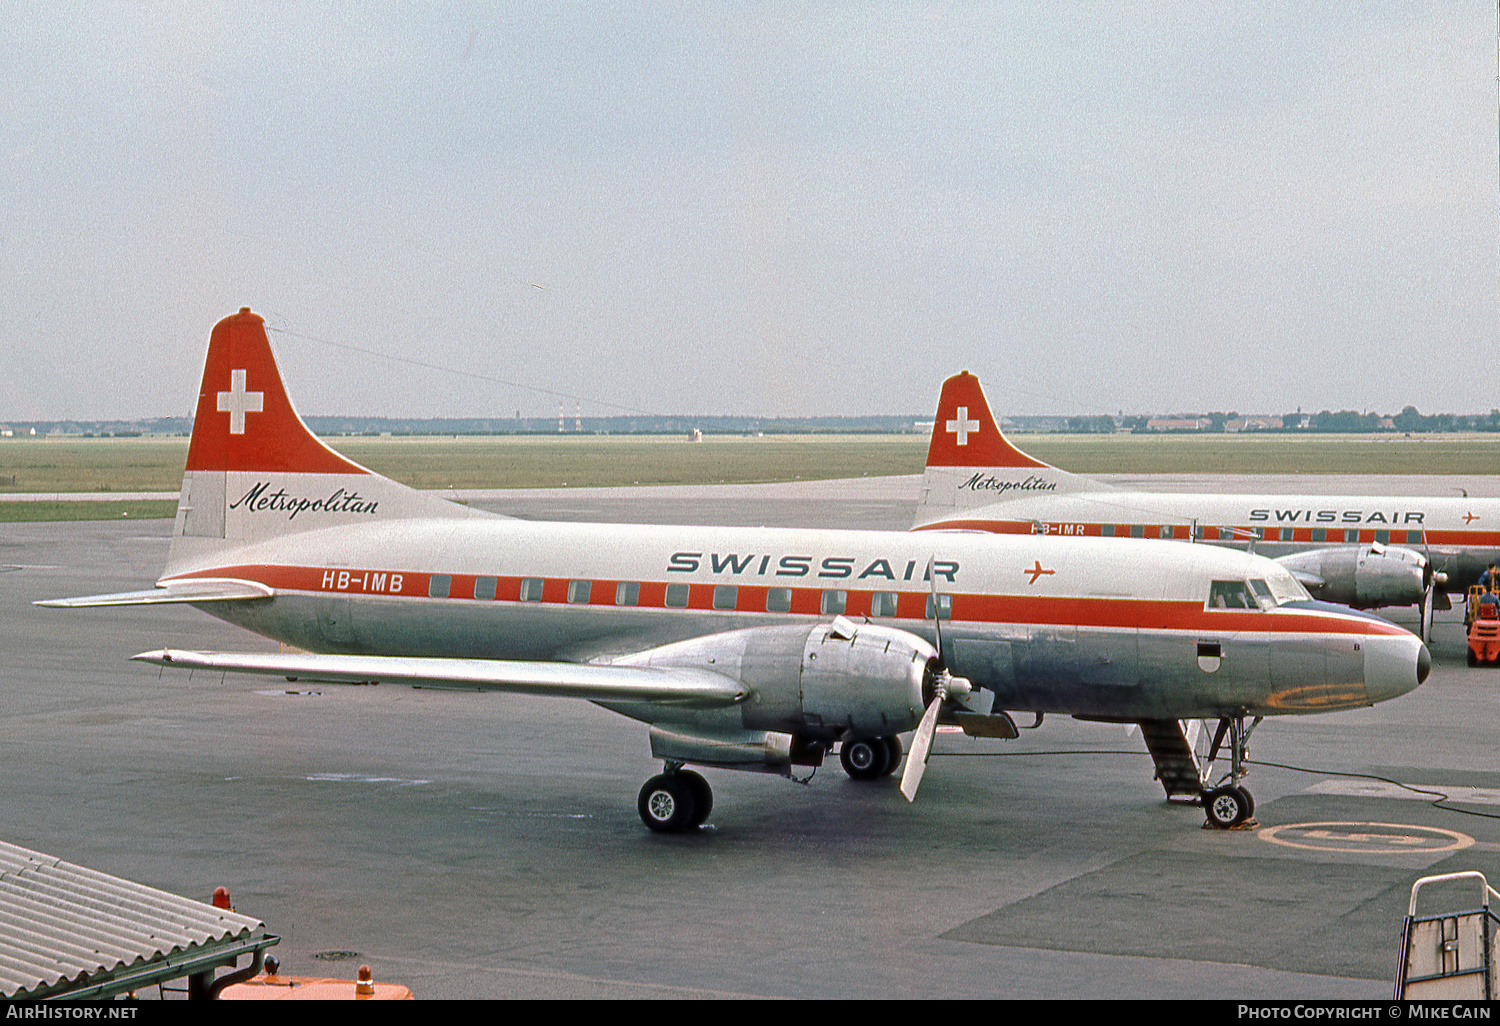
{"x": 257, "y": 501}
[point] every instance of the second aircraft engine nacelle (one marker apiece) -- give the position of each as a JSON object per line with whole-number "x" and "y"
{"x": 1362, "y": 576}
{"x": 826, "y": 682}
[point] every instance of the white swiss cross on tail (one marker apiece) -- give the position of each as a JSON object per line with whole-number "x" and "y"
{"x": 237, "y": 402}
{"x": 963, "y": 426}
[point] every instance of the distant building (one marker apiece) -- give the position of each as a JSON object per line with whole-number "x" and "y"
{"x": 1253, "y": 424}
{"x": 1177, "y": 423}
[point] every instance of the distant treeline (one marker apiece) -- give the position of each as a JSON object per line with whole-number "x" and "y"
{"x": 1327, "y": 421}
{"x": 637, "y": 425}
{"x": 1342, "y": 421}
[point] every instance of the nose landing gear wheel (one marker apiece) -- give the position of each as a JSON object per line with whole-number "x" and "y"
{"x": 666, "y": 803}
{"x": 866, "y": 759}
{"x": 1228, "y": 807}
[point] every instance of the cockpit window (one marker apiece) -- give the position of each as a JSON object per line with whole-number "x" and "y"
{"x": 1286, "y": 588}
{"x": 1263, "y": 594}
{"x": 1230, "y": 595}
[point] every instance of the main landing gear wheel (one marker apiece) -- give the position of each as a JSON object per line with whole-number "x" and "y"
{"x": 868, "y": 758}
{"x": 1228, "y": 807}
{"x": 703, "y": 797}
{"x": 893, "y": 748}
{"x": 673, "y": 802}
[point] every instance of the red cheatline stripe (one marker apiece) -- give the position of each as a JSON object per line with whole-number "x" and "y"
{"x": 1336, "y": 536}
{"x": 1143, "y": 614}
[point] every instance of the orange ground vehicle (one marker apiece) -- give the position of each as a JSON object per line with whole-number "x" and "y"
{"x": 1484, "y": 630}
{"x": 1471, "y": 604}
{"x": 271, "y": 986}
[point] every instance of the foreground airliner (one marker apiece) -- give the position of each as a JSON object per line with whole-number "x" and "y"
{"x": 1358, "y": 550}
{"x": 741, "y": 648}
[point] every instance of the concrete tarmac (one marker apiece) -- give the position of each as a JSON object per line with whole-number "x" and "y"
{"x": 474, "y": 845}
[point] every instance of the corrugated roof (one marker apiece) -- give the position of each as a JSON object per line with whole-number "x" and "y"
{"x": 64, "y": 926}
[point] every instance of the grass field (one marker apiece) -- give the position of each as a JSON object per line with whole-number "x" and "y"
{"x": 19, "y": 512}
{"x": 155, "y": 464}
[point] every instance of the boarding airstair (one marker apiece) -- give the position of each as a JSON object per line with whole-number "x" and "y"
{"x": 1450, "y": 956}
{"x": 1171, "y": 745}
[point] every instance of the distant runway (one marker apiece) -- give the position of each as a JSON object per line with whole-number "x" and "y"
{"x": 488, "y": 846}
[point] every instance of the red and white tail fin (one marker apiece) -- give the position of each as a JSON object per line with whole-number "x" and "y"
{"x": 254, "y": 469}
{"x": 971, "y": 463}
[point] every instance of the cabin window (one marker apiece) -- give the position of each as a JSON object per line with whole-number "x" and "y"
{"x": 1351, "y": 535}
{"x": 1106, "y": 530}
{"x": 578, "y": 591}
{"x": 1164, "y": 531}
{"x": 725, "y": 596}
{"x": 834, "y": 602}
{"x": 1230, "y": 595}
{"x": 1262, "y": 592}
{"x": 1137, "y": 530}
{"x": 484, "y": 587}
{"x": 1383, "y": 537}
{"x": 438, "y": 585}
{"x": 944, "y": 607}
{"x": 778, "y": 600}
{"x": 628, "y": 593}
{"x": 1226, "y": 534}
{"x": 883, "y": 603}
{"x": 1320, "y": 534}
{"x": 531, "y": 589}
{"x": 677, "y": 595}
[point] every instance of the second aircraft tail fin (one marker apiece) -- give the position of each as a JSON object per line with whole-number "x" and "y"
{"x": 971, "y": 463}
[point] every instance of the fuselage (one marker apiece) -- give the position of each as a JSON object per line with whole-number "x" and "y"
{"x": 1060, "y": 625}
{"x": 1462, "y": 535}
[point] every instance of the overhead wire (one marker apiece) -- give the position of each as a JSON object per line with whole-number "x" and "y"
{"x": 556, "y": 393}
{"x": 1442, "y": 801}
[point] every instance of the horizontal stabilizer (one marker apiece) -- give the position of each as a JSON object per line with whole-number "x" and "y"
{"x": 202, "y": 589}
{"x": 663, "y": 686}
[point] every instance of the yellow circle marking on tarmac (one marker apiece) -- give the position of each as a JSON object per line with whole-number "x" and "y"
{"x": 1366, "y": 838}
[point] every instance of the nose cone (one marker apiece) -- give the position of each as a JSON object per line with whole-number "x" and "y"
{"x": 1394, "y": 665}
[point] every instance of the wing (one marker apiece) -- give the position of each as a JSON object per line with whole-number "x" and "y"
{"x": 657, "y": 685}
{"x": 199, "y": 589}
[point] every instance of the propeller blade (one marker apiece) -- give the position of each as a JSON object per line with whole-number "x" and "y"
{"x": 1427, "y": 613}
{"x": 937, "y": 621}
{"x": 921, "y": 746}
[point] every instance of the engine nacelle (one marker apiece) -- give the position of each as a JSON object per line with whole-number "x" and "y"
{"x": 827, "y": 682}
{"x": 1362, "y": 576}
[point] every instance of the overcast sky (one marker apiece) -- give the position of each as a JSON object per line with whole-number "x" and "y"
{"x": 774, "y": 209}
